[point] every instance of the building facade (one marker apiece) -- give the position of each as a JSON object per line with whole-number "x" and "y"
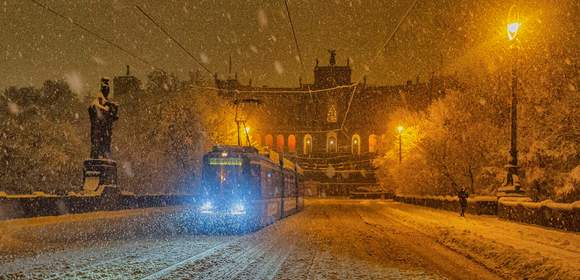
{"x": 333, "y": 127}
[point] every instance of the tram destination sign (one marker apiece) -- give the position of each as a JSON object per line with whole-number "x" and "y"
{"x": 225, "y": 161}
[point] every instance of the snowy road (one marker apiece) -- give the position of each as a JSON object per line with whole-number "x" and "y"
{"x": 331, "y": 239}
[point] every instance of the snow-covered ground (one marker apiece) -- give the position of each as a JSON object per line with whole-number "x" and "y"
{"x": 331, "y": 239}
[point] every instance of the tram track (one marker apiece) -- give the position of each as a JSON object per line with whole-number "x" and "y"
{"x": 137, "y": 262}
{"x": 175, "y": 266}
{"x": 80, "y": 269}
{"x": 252, "y": 257}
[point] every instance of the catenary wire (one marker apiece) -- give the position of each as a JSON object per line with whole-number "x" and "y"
{"x": 294, "y": 35}
{"x": 93, "y": 33}
{"x": 173, "y": 39}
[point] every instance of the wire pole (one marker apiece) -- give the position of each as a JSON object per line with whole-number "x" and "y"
{"x": 400, "y": 149}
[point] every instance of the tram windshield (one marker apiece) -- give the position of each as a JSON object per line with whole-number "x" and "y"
{"x": 224, "y": 175}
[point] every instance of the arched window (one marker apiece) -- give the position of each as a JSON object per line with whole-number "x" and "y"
{"x": 373, "y": 139}
{"x": 355, "y": 145}
{"x": 307, "y": 144}
{"x": 280, "y": 143}
{"x": 269, "y": 141}
{"x": 292, "y": 143}
{"x": 331, "y": 142}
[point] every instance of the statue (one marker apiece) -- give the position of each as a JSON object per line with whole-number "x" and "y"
{"x": 102, "y": 113}
{"x": 332, "y": 57}
{"x": 100, "y": 171}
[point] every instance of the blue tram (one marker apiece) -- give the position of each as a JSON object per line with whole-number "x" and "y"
{"x": 244, "y": 187}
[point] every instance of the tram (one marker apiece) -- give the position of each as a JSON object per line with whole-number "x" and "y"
{"x": 243, "y": 187}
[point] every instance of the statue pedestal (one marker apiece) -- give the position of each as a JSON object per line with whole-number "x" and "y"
{"x": 100, "y": 176}
{"x": 511, "y": 186}
{"x": 510, "y": 191}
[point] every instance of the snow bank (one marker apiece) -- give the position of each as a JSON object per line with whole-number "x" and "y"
{"x": 40, "y": 234}
{"x": 36, "y": 204}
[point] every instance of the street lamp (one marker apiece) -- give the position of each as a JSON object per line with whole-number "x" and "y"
{"x": 512, "y": 30}
{"x": 400, "y": 130}
{"x": 512, "y": 182}
{"x": 240, "y": 117}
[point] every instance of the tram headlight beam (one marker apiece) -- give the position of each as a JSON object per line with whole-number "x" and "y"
{"x": 206, "y": 207}
{"x": 238, "y": 209}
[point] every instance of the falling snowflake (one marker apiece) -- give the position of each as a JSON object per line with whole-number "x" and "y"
{"x": 13, "y": 108}
{"x": 75, "y": 82}
{"x": 279, "y": 68}
{"x": 262, "y": 18}
{"x": 204, "y": 58}
{"x": 98, "y": 60}
{"x": 254, "y": 48}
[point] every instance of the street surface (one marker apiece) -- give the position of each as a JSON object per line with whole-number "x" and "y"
{"x": 330, "y": 239}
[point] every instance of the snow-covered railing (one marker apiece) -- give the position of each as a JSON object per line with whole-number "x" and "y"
{"x": 480, "y": 205}
{"x": 564, "y": 216}
{"x": 547, "y": 213}
{"x": 41, "y": 204}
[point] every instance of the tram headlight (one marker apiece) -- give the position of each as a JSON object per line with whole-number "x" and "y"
{"x": 206, "y": 207}
{"x": 238, "y": 209}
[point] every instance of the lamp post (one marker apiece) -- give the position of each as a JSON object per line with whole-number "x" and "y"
{"x": 400, "y": 130}
{"x": 241, "y": 117}
{"x": 512, "y": 182}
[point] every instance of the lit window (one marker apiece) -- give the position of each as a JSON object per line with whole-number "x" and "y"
{"x": 355, "y": 147}
{"x": 307, "y": 144}
{"x": 331, "y": 115}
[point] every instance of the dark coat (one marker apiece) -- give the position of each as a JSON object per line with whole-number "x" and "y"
{"x": 463, "y": 195}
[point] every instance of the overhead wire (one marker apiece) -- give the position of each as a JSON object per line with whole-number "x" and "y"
{"x": 379, "y": 51}
{"x": 323, "y": 170}
{"x": 93, "y": 33}
{"x": 173, "y": 39}
{"x": 276, "y": 91}
{"x": 294, "y": 35}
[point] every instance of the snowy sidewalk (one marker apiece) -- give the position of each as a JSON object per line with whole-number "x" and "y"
{"x": 507, "y": 248}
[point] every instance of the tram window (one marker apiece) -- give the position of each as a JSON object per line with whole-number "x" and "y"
{"x": 267, "y": 186}
{"x": 276, "y": 182}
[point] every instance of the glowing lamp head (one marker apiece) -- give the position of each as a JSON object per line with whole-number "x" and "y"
{"x": 512, "y": 30}
{"x": 400, "y": 129}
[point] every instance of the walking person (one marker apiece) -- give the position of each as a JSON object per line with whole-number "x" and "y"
{"x": 462, "y": 195}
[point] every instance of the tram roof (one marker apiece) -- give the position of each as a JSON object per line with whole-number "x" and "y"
{"x": 267, "y": 153}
